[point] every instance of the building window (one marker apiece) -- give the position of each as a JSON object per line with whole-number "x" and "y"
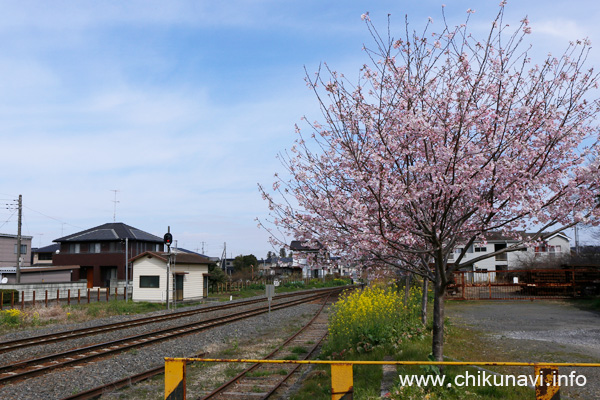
{"x": 94, "y": 247}
{"x": 150, "y": 281}
{"x": 74, "y": 248}
{"x": 480, "y": 249}
{"x": 23, "y": 249}
{"x": 115, "y": 247}
{"x": 45, "y": 256}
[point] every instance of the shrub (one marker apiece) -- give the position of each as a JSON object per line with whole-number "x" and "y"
{"x": 256, "y": 286}
{"x": 11, "y": 317}
{"x": 294, "y": 284}
{"x": 375, "y": 316}
{"x": 7, "y": 295}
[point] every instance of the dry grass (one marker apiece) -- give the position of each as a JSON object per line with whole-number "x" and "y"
{"x": 42, "y": 316}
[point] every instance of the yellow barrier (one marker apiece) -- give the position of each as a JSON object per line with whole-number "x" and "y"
{"x": 341, "y": 373}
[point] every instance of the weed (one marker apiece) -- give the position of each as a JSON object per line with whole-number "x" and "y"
{"x": 256, "y": 389}
{"x": 231, "y": 371}
{"x": 299, "y": 350}
{"x": 258, "y": 374}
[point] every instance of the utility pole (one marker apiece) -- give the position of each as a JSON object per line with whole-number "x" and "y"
{"x": 224, "y": 258}
{"x": 20, "y": 208}
{"x": 126, "y": 269}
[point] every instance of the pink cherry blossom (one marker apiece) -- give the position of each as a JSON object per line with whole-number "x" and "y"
{"x": 440, "y": 143}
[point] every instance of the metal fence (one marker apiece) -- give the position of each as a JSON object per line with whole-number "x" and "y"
{"x": 547, "y": 380}
{"x": 524, "y": 284}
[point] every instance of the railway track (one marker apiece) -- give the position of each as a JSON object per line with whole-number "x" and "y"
{"x": 263, "y": 381}
{"x": 16, "y": 344}
{"x": 24, "y": 369}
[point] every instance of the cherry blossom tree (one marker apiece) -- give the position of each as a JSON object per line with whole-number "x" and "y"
{"x": 443, "y": 139}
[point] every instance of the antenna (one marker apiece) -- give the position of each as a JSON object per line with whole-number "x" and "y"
{"x": 115, "y": 207}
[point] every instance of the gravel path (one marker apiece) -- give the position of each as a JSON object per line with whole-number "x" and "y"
{"x": 73, "y": 380}
{"x": 539, "y": 331}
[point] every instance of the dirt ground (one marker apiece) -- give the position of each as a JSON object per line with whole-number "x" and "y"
{"x": 538, "y": 331}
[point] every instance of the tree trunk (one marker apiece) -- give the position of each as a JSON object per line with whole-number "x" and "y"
{"x": 437, "y": 345}
{"x": 407, "y": 289}
{"x": 424, "y": 299}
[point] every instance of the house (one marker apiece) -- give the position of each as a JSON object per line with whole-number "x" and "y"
{"x": 552, "y": 249}
{"x": 8, "y": 250}
{"x": 189, "y": 271}
{"x": 37, "y": 274}
{"x": 43, "y": 255}
{"x": 227, "y": 265}
{"x": 281, "y": 266}
{"x": 100, "y": 251}
{"x": 311, "y": 259}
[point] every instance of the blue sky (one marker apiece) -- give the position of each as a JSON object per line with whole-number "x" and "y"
{"x": 183, "y": 105}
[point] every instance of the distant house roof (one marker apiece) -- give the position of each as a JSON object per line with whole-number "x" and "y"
{"x": 298, "y": 245}
{"x": 110, "y": 232}
{"x": 182, "y": 250}
{"x": 9, "y": 235}
{"x": 38, "y": 269}
{"x": 46, "y": 249}
{"x": 278, "y": 259}
{"x": 521, "y": 235}
{"x": 180, "y": 258}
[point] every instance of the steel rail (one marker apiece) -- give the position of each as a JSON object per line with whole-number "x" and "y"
{"x": 128, "y": 381}
{"x": 98, "y": 329}
{"x": 121, "y": 383}
{"x": 233, "y": 380}
{"x": 117, "y": 346}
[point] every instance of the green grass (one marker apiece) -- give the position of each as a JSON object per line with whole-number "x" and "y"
{"x": 258, "y": 289}
{"x": 589, "y": 304}
{"x": 117, "y": 307}
{"x": 415, "y": 345}
{"x": 316, "y": 386}
{"x": 232, "y": 370}
{"x": 299, "y": 350}
{"x": 367, "y": 380}
{"x": 461, "y": 344}
{"x": 258, "y": 374}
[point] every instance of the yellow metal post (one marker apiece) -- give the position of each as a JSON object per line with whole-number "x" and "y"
{"x": 342, "y": 386}
{"x": 175, "y": 379}
{"x": 546, "y": 387}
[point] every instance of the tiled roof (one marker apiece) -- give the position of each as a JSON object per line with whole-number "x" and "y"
{"x": 46, "y": 249}
{"x": 110, "y": 232}
{"x": 179, "y": 258}
{"x": 518, "y": 235}
{"x": 298, "y": 245}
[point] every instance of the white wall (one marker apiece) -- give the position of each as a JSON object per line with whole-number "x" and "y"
{"x": 193, "y": 280}
{"x": 149, "y": 267}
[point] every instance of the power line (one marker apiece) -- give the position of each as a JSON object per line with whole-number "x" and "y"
{"x": 11, "y": 215}
{"x": 55, "y": 219}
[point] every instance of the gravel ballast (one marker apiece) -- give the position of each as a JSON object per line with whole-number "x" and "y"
{"x": 86, "y": 376}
